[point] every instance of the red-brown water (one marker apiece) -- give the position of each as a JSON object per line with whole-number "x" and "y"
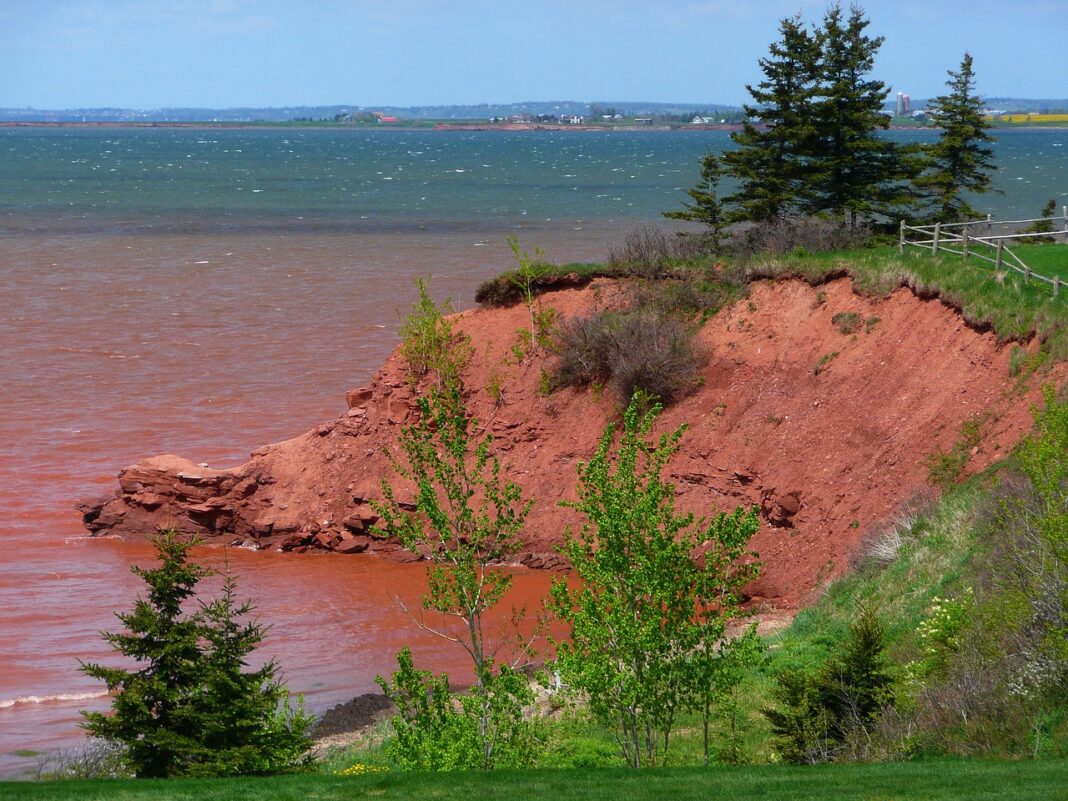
{"x": 120, "y": 346}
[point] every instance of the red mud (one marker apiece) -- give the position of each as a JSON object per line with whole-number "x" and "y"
{"x": 829, "y": 455}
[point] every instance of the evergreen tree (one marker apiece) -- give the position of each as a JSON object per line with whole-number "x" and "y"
{"x": 155, "y": 713}
{"x": 854, "y": 172}
{"x": 189, "y": 708}
{"x": 817, "y": 713}
{"x": 960, "y": 161}
{"x": 249, "y": 726}
{"x": 705, "y": 207}
{"x": 771, "y": 162}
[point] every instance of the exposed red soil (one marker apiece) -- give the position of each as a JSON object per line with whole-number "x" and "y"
{"x": 828, "y": 455}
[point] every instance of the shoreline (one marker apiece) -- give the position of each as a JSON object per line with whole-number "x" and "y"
{"x": 514, "y": 127}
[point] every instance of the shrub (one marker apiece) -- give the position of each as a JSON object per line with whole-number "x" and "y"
{"x": 818, "y": 713}
{"x": 632, "y": 350}
{"x": 694, "y": 291}
{"x": 647, "y": 250}
{"x": 783, "y": 237}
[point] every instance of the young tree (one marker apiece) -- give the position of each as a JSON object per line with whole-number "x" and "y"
{"x": 428, "y": 341}
{"x": 817, "y": 713}
{"x": 855, "y": 173}
{"x": 771, "y": 161}
{"x": 705, "y": 207}
{"x": 646, "y": 611}
{"x": 960, "y": 161}
{"x": 466, "y": 518}
{"x": 190, "y": 708}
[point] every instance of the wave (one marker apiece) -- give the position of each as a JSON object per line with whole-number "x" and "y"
{"x": 7, "y": 703}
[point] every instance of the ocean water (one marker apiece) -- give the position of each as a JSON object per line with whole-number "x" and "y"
{"x": 204, "y": 292}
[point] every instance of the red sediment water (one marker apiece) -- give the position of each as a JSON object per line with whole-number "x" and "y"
{"x": 118, "y": 347}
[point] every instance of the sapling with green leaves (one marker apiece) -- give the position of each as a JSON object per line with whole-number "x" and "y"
{"x": 655, "y": 589}
{"x": 466, "y": 518}
{"x": 524, "y": 277}
{"x": 428, "y": 342}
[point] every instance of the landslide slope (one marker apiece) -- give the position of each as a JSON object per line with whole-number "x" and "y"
{"x": 829, "y": 433}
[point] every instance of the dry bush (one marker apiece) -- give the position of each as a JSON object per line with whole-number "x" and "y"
{"x": 628, "y": 351}
{"x": 781, "y": 237}
{"x": 648, "y": 250}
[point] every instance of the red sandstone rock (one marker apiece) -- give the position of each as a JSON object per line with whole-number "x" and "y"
{"x": 814, "y": 451}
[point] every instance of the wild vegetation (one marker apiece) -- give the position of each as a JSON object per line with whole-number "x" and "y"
{"x": 949, "y": 639}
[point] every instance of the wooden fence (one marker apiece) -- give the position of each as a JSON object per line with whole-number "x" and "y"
{"x": 968, "y": 240}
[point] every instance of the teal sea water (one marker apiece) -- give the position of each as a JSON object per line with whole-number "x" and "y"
{"x": 309, "y": 181}
{"x": 204, "y": 292}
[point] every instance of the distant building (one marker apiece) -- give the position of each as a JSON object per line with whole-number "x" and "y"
{"x": 572, "y": 119}
{"x": 699, "y": 120}
{"x": 904, "y": 105}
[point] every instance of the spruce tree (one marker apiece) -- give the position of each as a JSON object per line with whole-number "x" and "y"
{"x": 705, "y": 207}
{"x": 961, "y": 160}
{"x": 249, "y": 725}
{"x": 770, "y": 161}
{"x": 189, "y": 708}
{"x": 155, "y": 713}
{"x": 854, "y": 172}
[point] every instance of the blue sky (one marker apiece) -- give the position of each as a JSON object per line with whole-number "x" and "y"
{"x": 225, "y": 53}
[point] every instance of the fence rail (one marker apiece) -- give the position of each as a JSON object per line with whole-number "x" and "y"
{"x": 941, "y": 237}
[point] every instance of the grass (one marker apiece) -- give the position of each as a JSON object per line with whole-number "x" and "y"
{"x": 1006, "y": 302}
{"x": 926, "y": 781}
{"x": 1014, "y": 308}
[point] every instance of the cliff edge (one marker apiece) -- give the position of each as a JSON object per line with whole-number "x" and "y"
{"x": 829, "y": 432}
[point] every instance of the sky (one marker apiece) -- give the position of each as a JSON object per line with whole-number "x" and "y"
{"x": 151, "y": 54}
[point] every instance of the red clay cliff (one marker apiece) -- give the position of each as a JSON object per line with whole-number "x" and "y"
{"x": 829, "y": 455}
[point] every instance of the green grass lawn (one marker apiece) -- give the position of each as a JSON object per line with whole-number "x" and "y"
{"x": 1045, "y": 780}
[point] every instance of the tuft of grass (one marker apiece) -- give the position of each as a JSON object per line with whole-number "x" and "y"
{"x": 846, "y": 322}
{"x": 824, "y": 362}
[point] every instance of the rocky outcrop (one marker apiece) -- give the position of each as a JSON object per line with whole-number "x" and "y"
{"x": 827, "y": 455}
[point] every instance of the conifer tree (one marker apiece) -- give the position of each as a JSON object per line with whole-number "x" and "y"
{"x": 770, "y": 162}
{"x": 705, "y": 207}
{"x": 249, "y": 726}
{"x": 189, "y": 708}
{"x": 961, "y": 160}
{"x": 854, "y": 172}
{"x": 154, "y": 709}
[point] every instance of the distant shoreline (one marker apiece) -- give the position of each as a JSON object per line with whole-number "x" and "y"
{"x": 515, "y": 127}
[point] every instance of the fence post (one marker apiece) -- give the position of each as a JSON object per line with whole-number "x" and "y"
{"x": 1056, "y": 285}
{"x": 964, "y": 243}
{"x": 1000, "y": 256}
{"x": 937, "y": 236}
{"x": 1027, "y": 274}
{"x": 989, "y": 226}
{"x": 901, "y": 239}
{"x": 1064, "y": 213}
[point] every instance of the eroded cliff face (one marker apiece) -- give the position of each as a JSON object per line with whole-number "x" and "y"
{"x": 829, "y": 454}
